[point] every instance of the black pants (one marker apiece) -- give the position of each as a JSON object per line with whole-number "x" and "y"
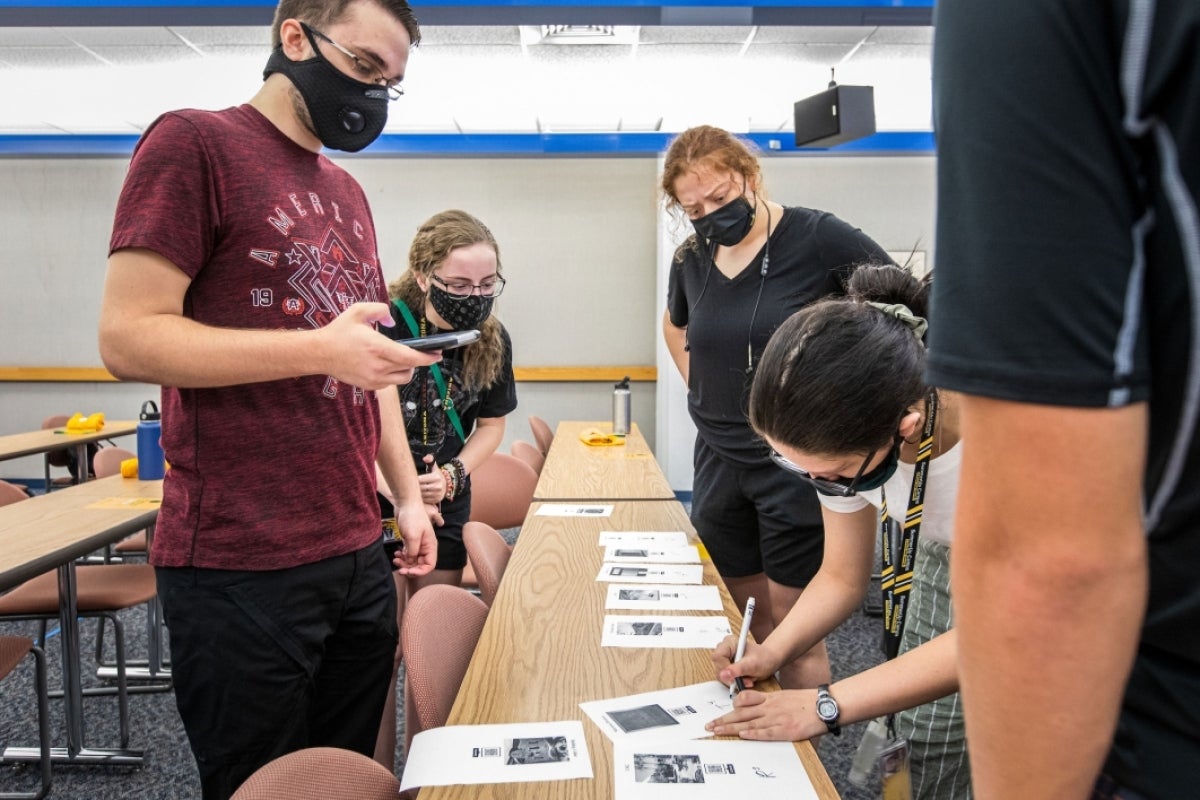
{"x": 266, "y": 663}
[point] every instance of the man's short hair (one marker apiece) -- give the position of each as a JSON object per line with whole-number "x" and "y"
{"x": 322, "y": 13}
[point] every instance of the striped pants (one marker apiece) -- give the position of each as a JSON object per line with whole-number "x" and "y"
{"x": 935, "y": 731}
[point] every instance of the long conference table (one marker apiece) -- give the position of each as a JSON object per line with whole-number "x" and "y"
{"x": 16, "y": 445}
{"x": 577, "y": 471}
{"x": 49, "y": 532}
{"x": 539, "y": 655}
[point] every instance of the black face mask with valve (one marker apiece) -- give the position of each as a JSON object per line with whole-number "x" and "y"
{"x": 346, "y": 114}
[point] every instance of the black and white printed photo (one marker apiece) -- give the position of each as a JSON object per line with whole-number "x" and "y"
{"x": 641, "y": 595}
{"x": 639, "y": 629}
{"x": 642, "y": 718}
{"x": 541, "y": 750}
{"x": 651, "y": 768}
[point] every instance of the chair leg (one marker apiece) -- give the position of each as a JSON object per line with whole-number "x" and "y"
{"x": 44, "y": 768}
{"x": 122, "y": 685}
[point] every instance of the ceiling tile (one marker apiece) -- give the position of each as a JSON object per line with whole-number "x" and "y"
{"x": 695, "y": 34}
{"x": 32, "y": 37}
{"x": 147, "y": 55}
{"x": 204, "y": 37}
{"x": 903, "y": 34}
{"x": 42, "y": 58}
{"x": 469, "y": 34}
{"x": 787, "y": 34}
{"x": 117, "y": 37}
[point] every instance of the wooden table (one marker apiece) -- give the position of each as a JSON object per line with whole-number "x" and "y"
{"x": 539, "y": 655}
{"x": 16, "y": 445}
{"x": 49, "y": 532}
{"x": 576, "y": 471}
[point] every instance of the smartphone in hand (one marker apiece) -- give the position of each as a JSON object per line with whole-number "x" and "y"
{"x": 442, "y": 341}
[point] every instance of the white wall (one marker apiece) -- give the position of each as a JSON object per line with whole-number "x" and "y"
{"x": 579, "y": 243}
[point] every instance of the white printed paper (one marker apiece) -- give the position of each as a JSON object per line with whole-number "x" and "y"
{"x": 679, "y": 713}
{"x": 518, "y": 752}
{"x": 673, "y": 632}
{"x": 651, "y": 573}
{"x": 643, "y": 538}
{"x": 625, "y": 554}
{"x": 712, "y": 768}
{"x": 569, "y": 510}
{"x": 666, "y": 597}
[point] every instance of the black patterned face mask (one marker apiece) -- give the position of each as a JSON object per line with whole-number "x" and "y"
{"x": 463, "y": 313}
{"x": 346, "y": 114}
{"x": 728, "y": 224}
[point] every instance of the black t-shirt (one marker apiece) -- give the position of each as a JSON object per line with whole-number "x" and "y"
{"x": 1057, "y": 155}
{"x": 811, "y": 253}
{"x": 428, "y": 426}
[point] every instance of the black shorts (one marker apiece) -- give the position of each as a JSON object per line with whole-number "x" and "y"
{"x": 452, "y": 553}
{"x": 756, "y": 519}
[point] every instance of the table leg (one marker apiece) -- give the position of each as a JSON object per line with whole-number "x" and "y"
{"x": 68, "y": 620}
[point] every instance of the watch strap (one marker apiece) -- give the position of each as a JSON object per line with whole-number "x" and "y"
{"x": 823, "y": 696}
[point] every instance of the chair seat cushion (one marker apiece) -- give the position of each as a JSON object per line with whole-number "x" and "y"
{"x": 12, "y": 650}
{"x": 99, "y": 587}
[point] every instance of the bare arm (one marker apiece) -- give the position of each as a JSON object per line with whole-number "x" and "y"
{"x": 1050, "y": 579}
{"x": 395, "y": 463}
{"x": 918, "y": 676}
{"x": 676, "y": 339}
{"x": 145, "y": 337}
{"x": 832, "y": 595}
{"x": 480, "y": 444}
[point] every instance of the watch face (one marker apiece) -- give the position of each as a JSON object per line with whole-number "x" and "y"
{"x": 827, "y": 709}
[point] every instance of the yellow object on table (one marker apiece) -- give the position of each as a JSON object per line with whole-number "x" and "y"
{"x": 78, "y": 423}
{"x": 129, "y": 468}
{"x": 595, "y": 437}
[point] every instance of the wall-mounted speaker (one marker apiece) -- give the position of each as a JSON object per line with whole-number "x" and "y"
{"x": 838, "y": 114}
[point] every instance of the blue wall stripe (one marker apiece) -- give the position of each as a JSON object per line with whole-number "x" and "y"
{"x": 490, "y": 144}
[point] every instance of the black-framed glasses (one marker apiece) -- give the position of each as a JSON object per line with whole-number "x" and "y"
{"x": 839, "y": 487}
{"x": 461, "y": 290}
{"x": 364, "y": 69}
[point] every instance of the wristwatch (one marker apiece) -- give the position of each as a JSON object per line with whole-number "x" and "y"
{"x": 827, "y": 709}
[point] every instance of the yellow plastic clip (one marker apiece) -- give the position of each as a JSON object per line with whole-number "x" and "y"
{"x": 594, "y": 437}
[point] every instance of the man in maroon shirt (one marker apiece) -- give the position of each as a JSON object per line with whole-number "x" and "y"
{"x": 244, "y": 277}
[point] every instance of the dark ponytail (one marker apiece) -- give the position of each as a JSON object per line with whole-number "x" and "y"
{"x": 837, "y": 376}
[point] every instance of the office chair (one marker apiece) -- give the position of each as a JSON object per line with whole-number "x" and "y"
{"x": 320, "y": 773}
{"x": 501, "y": 491}
{"x": 441, "y": 628}
{"x": 488, "y": 554}
{"x": 13, "y": 650}
{"x": 108, "y": 462}
{"x": 529, "y": 454}
{"x": 541, "y": 433}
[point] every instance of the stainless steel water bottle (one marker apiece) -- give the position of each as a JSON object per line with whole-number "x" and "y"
{"x": 621, "y": 403}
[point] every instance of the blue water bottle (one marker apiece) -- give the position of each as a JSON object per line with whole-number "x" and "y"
{"x": 151, "y": 462}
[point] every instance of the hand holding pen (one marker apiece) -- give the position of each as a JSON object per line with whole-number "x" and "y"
{"x": 738, "y": 684}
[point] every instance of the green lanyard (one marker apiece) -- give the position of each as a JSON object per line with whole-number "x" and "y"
{"x": 447, "y": 403}
{"x": 896, "y": 580}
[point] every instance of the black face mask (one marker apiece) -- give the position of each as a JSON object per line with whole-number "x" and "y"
{"x": 346, "y": 114}
{"x": 462, "y": 313}
{"x": 882, "y": 473}
{"x": 729, "y": 224}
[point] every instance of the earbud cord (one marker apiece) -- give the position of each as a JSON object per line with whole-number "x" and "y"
{"x": 766, "y": 262}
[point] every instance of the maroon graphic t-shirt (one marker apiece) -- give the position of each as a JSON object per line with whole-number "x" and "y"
{"x": 263, "y": 475}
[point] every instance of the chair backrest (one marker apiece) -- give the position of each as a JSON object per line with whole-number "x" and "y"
{"x": 57, "y": 458}
{"x": 320, "y": 773}
{"x": 529, "y": 454}
{"x": 108, "y": 461}
{"x": 441, "y": 628}
{"x": 488, "y": 553}
{"x": 501, "y": 491}
{"x": 10, "y": 493}
{"x": 541, "y": 433}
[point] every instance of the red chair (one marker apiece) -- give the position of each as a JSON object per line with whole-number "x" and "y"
{"x": 57, "y": 458}
{"x": 529, "y": 454}
{"x": 13, "y": 650}
{"x": 501, "y": 491}
{"x": 107, "y": 463}
{"x": 489, "y": 554}
{"x": 441, "y": 628}
{"x": 541, "y": 433}
{"x": 320, "y": 773}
